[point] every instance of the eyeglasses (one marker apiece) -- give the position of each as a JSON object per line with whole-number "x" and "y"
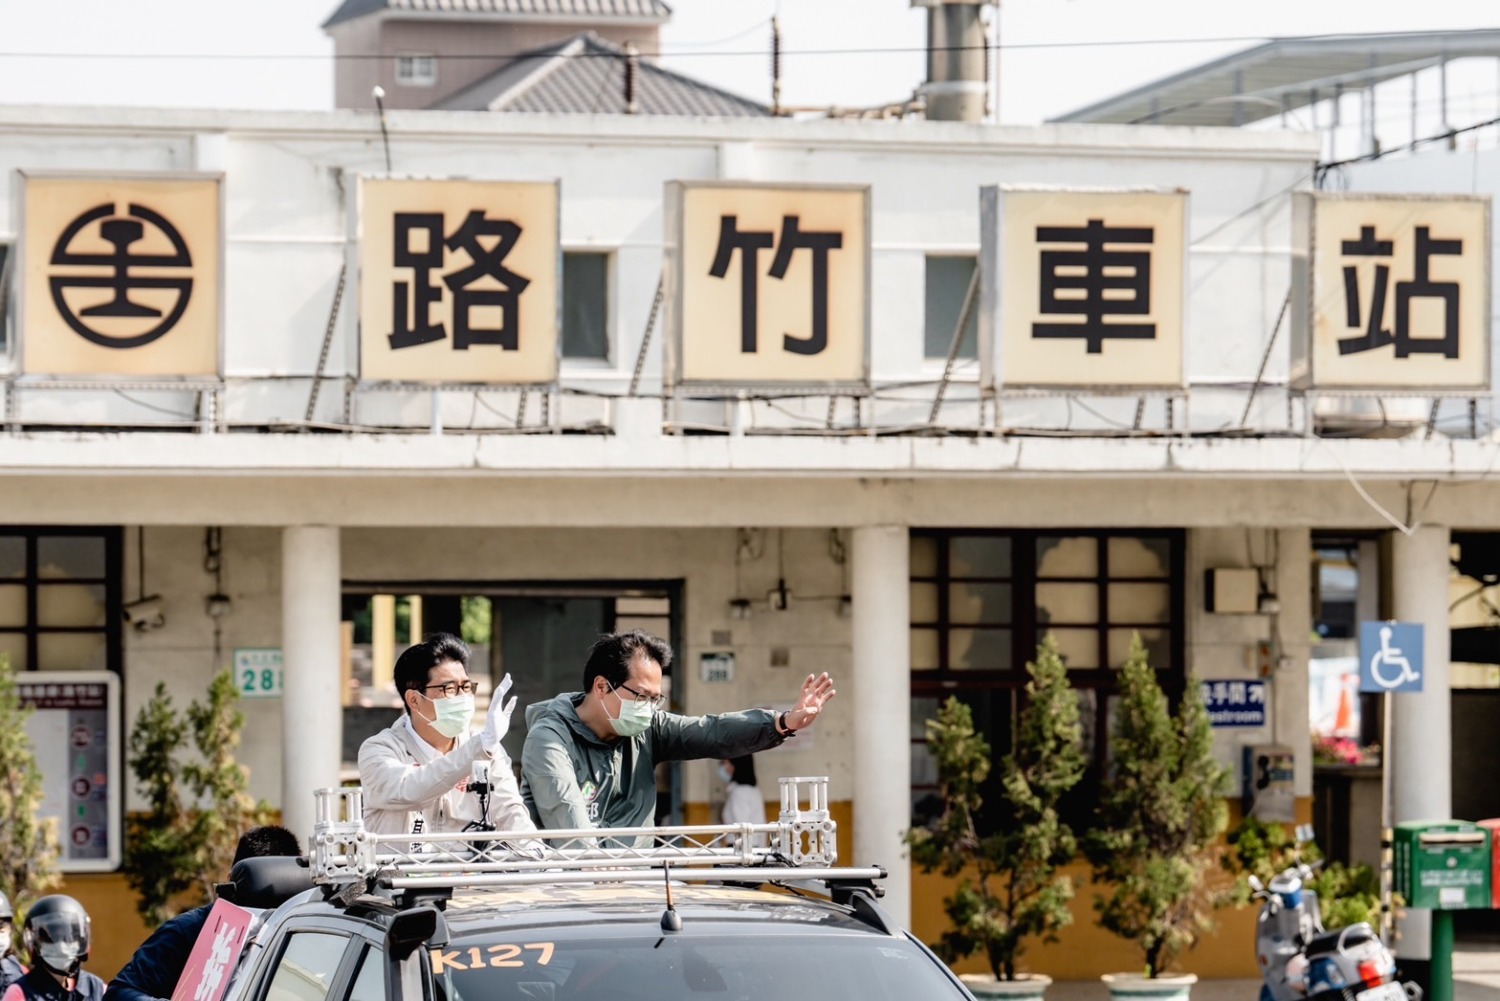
{"x": 654, "y": 701}
{"x": 452, "y": 688}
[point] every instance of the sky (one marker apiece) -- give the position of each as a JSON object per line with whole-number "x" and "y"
{"x": 1056, "y": 55}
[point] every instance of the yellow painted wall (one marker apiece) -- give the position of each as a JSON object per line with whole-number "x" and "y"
{"x": 1084, "y": 951}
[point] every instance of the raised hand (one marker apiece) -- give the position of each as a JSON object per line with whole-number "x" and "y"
{"x": 497, "y": 722}
{"x": 816, "y": 691}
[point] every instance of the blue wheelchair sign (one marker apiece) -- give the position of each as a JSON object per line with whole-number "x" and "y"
{"x": 1390, "y": 657}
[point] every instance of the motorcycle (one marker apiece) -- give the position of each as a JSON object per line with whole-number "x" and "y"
{"x": 1301, "y": 961}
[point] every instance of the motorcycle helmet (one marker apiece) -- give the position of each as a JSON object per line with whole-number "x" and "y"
{"x": 7, "y": 917}
{"x": 57, "y": 934}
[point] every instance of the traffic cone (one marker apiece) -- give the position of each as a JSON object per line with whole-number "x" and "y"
{"x": 1343, "y": 720}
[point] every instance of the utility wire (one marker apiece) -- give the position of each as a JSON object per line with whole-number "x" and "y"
{"x": 667, "y": 51}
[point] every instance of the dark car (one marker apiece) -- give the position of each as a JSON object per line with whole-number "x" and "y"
{"x": 680, "y": 915}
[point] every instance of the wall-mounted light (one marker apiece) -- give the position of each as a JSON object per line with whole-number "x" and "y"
{"x": 739, "y": 608}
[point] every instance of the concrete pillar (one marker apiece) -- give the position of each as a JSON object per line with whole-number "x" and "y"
{"x": 882, "y": 708}
{"x": 1421, "y": 755}
{"x": 311, "y": 718}
{"x": 1293, "y": 625}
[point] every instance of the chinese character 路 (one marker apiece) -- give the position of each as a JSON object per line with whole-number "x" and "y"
{"x": 1092, "y": 281}
{"x": 749, "y": 243}
{"x": 1376, "y": 334}
{"x": 420, "y": 247}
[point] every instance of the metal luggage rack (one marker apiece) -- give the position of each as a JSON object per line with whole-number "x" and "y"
{"x": 799, "y": 846}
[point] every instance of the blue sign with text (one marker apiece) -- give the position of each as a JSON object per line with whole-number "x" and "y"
{"x": 1235, "y": 703}
{"x": 1390, "y": 657}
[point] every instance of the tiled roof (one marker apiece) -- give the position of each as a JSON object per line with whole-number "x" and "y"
{"x": 603, "y": 9}
{"x": 586, "y": 75}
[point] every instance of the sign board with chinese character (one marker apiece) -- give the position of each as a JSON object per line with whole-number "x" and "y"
{"x": 1391, "y": 292}
{"x": 768, "y": 285}
{"x": 1235, "y": 703}
{"x": 1390, "y": 657}
{"x": 459, "y": 282}
{"x": 120, "y": 276}
{"x": 74, "y": 732}
{"x": 258, "y": 672}
{"x": 215, "y": 954}
{"x": 1082, "y": 288}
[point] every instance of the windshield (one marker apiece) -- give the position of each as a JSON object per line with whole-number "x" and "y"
{"x": 639, "y": 964}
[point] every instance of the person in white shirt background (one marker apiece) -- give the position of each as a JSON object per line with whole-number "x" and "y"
{"x": 742, "y": 800}
{"x": 417, "y": 773}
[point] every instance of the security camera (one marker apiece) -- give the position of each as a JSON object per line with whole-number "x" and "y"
{"x": 145, "y": 614}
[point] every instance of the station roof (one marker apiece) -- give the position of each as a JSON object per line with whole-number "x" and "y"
{"x": 597, "y": 10}
{"x": 1284, "y": 74}
{"x": 585, "y": 75}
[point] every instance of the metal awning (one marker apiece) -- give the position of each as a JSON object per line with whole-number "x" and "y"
{"x": 1284, "y": 74}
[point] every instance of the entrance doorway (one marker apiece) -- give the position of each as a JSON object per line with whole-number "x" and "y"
{"x": 538, "y": 632}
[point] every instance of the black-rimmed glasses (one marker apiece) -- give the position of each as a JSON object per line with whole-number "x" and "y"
{"x": 654, "y": 701}
{"x": 452, "y": 688}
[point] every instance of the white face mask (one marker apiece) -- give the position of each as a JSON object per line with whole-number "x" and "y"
{"x": 452, "y": 716}
{"x": 726, "y": 774}
{"x": 634, "y": 719}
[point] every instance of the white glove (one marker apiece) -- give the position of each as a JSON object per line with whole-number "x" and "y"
{"x": 497, "y": 722}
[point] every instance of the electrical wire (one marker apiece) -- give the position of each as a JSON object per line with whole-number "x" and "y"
{"x": 686, "y": 49}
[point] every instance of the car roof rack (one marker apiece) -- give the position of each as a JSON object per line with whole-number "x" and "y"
{"x": 800, "y": 846}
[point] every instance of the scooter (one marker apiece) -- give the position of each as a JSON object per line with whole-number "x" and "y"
{"x": 1301, "y": 961}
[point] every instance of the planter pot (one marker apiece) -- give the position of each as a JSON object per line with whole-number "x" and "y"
{"x": 984, "y": 986}
{"x": 1136, "y": 987}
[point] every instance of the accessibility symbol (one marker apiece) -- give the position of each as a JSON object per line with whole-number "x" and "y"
{"x": 1390, "y": 657}
{"x": 102, "y": 249}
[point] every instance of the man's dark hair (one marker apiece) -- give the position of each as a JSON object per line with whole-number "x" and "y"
{"x": 611, "y": 654}
{"x": 414, "y": 666}
{"x": 744, "y": 770}
{"x": 261, "y": 842}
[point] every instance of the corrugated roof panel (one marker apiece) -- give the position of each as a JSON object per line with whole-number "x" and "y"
{"x": 1260, "y": 81}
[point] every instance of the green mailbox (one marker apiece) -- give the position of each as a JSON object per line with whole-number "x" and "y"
{"x": 1443, "y": 864}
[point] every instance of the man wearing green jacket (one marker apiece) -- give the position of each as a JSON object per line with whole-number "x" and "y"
{"x": 589, "y": 756}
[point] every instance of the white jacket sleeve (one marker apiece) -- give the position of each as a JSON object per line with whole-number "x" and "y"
{"x": 393, "y": 783}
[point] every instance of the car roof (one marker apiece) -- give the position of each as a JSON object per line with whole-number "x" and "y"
{"x": 477, "y": 910}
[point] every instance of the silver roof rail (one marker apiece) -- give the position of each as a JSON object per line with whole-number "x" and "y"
{"x": 800, "y": 845}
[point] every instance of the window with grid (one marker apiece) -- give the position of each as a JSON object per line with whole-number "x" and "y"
{"x": 981, "y": 601}
{"x": 416, "y": 70}
{"x": 60, "y": 598}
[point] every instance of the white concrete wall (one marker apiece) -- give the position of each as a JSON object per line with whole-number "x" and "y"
{"x": 181, "y": 653}
{"x": 1223, "y": 646}
{"x": 290, "y": 179}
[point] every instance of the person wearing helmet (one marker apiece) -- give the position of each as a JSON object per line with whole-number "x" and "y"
{"x": 157, "y": 965}
{"x": 11, "y": 968}
{"x": 56, "y": 936}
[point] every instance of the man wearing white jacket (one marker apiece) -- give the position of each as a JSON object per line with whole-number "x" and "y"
{"x": 416, "y": 774}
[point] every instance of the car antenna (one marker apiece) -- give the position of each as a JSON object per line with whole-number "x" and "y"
{"x": 671, "y": 921}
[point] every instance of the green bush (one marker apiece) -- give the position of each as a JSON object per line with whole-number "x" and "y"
{"x": 1160, "y": 817}
{"x": 197, "y": 809}
{"x": 1009, "y": 888}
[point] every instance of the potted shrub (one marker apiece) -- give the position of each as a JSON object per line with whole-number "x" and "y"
{"x": 1156, "y": 838}
{"x": 1009, "y": 887}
